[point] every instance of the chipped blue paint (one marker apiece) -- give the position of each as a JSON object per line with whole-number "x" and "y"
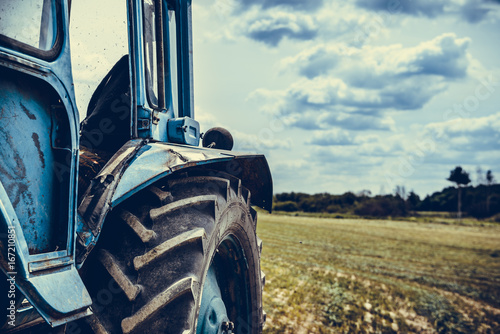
{"x": 155, "y": 161}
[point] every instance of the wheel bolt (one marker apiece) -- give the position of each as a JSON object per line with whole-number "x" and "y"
{"x": 227, "y": 326}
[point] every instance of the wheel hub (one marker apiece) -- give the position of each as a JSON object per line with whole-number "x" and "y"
{"x": 213, "y": 317}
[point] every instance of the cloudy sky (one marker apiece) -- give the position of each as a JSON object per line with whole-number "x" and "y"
{"x": 353, "y": 95}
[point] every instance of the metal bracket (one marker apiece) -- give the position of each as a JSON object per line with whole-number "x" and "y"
{"x": 184, "y": 130}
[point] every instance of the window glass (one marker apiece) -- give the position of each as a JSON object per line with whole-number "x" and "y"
{"x": 99, "y": 38}
{"x": 150, "y": 51}
{"x": 172, "y": 52}
{"x": 32, "y": 22}
{"x": 151, "y": 60}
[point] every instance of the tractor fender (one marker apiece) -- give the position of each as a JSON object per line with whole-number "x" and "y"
{"x": 140, "y": 163}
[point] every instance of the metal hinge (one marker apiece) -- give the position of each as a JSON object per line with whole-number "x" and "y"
{"x": 156, "y": 119}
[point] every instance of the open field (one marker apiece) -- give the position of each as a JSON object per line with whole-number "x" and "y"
{"x": 361, "y": 276}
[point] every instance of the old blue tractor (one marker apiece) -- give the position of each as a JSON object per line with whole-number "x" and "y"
{"x": 120, "y": 223}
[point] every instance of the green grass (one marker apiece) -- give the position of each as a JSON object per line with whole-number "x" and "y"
{"x": 448, "y": 218}
{"x": 329, "y": 275}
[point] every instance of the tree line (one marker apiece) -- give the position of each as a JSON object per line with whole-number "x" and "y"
{"x": 480, "y": 201}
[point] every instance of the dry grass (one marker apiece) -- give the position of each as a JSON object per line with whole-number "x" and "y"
{"x": 376, "y": 276}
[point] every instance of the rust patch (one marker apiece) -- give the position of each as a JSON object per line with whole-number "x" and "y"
{"x": 36, "y": 140}
{"x": 4, "y": 114}
{"x": 180, "y": 156}
{"x": 18, "y": 167}
{"x": 27, "y": 112}
{"x": 31, "y": 212}
{"x": 5, "y": 173}
{"x": 21, "y": 190}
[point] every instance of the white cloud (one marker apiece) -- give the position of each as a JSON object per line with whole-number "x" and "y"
{"x": 335, "y": 137}
{"x": 272, "y": 27}
{"x": 467, "y": 134}
{"x": 269, "y": 27}
{"x": 353, "y": 88}
{"x": 315, "y": 61}
{"x": 373, "y": 66}
{"x": 473, "y": 11}
{"x": 333, "y": 95}
{"x": 264, "y": 141}
{"x": 324, "y": 119}
{"x": 271, "y": 22}
{"x": 299, "y": 5}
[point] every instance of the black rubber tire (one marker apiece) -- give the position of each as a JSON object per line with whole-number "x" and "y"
{"x": 147, "y": 273}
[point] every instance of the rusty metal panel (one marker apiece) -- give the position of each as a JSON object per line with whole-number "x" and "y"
{"x": 29, "y": 158}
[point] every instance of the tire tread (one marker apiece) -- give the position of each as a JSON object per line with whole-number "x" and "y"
{"x": 196, "y": 235}
{"x": 178, "y": 289}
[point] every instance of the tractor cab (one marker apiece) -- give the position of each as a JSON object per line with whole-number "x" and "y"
{"x": 43, "y": 138}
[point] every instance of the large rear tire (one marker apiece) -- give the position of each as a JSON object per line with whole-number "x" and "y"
{"x": 150, "y": 268}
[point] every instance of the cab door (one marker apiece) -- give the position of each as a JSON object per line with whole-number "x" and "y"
{"x": 39, "y": 126}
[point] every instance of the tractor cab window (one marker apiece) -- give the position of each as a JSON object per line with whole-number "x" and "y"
{"x": 101, "y": 72}
{"x": 160, "y": 54}
{"x": 29, "y": 25}
{"x": 99, "y": 39}
{"x": 151, "y": 51}
{"x": 172, "y": 54}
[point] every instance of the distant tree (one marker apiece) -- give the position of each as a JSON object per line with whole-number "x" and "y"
{"x": 413, "y": 200}
{"x": 381, "y": 206}
{"x": 460, "y": 177}
{"x": 364, "y": 193}
{"x": 400, "y": 191}
{"x": 490, "y": 179}
{"x": 288, "y": 206}
{"x": 348, "y": 198}
{"x": 480, "y": 175}
{"x": 400, "y": 197}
